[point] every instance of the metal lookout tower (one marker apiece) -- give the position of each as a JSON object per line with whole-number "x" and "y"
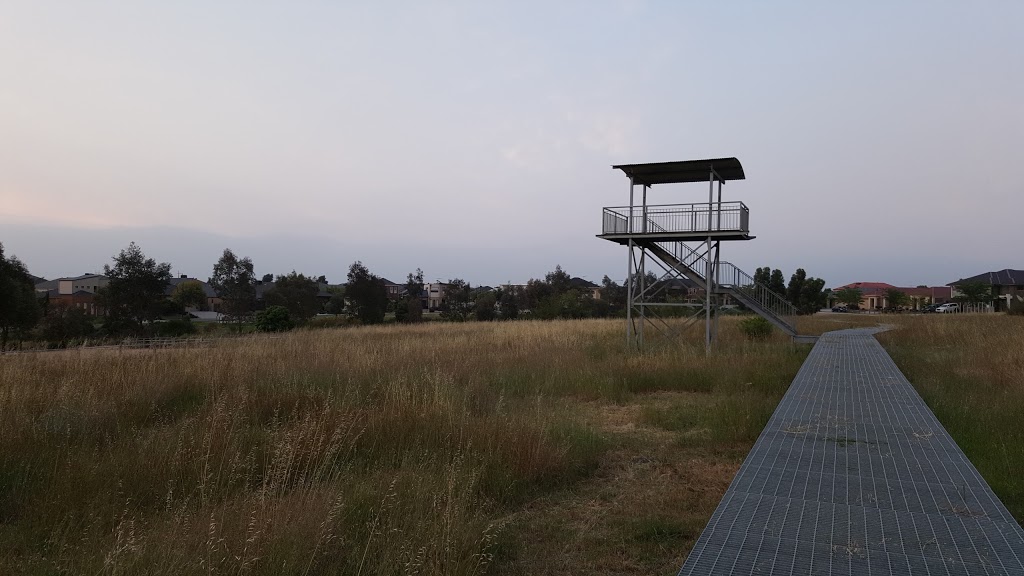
{"x": 682, "y": 242}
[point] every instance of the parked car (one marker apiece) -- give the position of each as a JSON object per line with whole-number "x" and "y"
{"x": 930, "y": 308}
{"x": 839, "y": 309}
{"x": 948, "y": 307}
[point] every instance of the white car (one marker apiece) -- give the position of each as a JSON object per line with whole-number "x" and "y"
{"x": 948, "y": 307}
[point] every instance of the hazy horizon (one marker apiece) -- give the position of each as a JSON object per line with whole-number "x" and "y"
{"x": 880, "y": 143}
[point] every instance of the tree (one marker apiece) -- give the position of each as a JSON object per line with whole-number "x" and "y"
{"x": 896, "y": 297}
{"x": 849, "y": 296}
{"x": 796, "y": 286}
{"x": 134, "y": 294}
{"x": 508, "y": 303}
{"x": 598, "y": 307}
{"x": 570, "y": 304}
{"x": 63, "y": 323}
{"x": 656, "y": 292}
{"x": 400, "y": 308}
{"x": 613, "y": 294}
{"x": 559, "y": 281}
{"x": 483, "y": 306}
{"x": 235, "y": 283}
{"x": 296, "y": 293}
{"x": 812, "y": 296}
{"x": 19, "y": 306}
{"x": 975, "y": 292}
{"x": 321, "y": 279}
{"x": 190, "y": 294}
{"x": 1016, "y": 307}
{"x": 763, "y": 276}
{"x": 457, "y": 302}
{"x": 367, "y": 297}
{"x": 267, "y": 278}
{"x": 413, "y": 303}
{"x": 336, "y": 305}
{"x": 535, "y": 292}
{"x": 777, "y": 282}
{"x": 414, "y": 284}
{"x": 805, "y": 293}
{"x": 273, "y": 319}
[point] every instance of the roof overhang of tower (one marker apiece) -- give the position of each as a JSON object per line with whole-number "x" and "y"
{"x": 683, "y": 171}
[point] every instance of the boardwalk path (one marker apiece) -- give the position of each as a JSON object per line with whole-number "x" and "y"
{"x": 854, "y": 475}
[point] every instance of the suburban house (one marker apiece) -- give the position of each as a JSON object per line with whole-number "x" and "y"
{"x": 88, "y": 282}
{"x": 687, "y": 290}
{"x": 1006, "y": 286}
{"x": 586, "y": 287}
{"x": 922, "y": 296}
{"x": 873, "y": 295}
{"x": 393, "y": 290}
{"x": 75, "y": 291}
{"x": 513, "y": 287}
{"x": 433, "y": 295}
{"x": 212, "y": 299}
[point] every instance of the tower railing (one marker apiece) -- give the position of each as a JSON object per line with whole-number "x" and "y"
{"x": 614, "y": 223}
{"x": 677, "y": 218}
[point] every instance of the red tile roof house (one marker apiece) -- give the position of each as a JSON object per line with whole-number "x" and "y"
{"x": 922, "y": 296}
{"x": 1007, "y": 285}
{"x": 76, "y": 291}
{"x": 873, "y": 294}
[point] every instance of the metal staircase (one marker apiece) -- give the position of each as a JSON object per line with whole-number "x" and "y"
{"x": 730, "y": 280}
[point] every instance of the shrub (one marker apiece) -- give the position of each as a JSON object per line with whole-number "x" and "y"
{"x": 273, "y": 319}
{"x": 756, "y": 328}
{"x": 174, "y": 328}
{"x": 1016, "y": 308}
{"x": 211, "y": 328}
{"x": 331, "y": 322}
{"x": 65, "y": 323}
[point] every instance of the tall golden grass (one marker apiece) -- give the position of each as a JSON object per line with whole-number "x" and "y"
{"x": 969, "y": 368}
{"x": 384, "y": 450}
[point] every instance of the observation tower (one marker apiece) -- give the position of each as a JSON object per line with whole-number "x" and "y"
{"x": 684, "y": 241}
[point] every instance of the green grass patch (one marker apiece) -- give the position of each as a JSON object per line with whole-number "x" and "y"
{"x": 661, "y": 529}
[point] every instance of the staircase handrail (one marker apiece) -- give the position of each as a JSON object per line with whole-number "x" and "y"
{"x": 731, "y": 276}
{"x": 683, "y": 253}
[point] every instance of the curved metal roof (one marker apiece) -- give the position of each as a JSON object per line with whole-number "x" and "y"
{"x": 683, "y": 171}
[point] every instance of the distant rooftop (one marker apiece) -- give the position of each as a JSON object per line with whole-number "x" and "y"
{"x": 1004, "y": 277}
{"x": 683, "y": 171}
{"x": 866, "y": 285}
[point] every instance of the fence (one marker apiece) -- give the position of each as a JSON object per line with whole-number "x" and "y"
{"x": 144, "y": 343}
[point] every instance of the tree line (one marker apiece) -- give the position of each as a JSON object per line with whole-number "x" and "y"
{"x": 806, "y": 293}
{"x": 135, "y": 301}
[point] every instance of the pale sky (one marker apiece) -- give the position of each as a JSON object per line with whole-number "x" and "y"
{"x": 882, "y": 141}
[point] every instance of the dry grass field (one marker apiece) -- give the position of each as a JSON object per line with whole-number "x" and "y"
{"x": 498, "y": 448}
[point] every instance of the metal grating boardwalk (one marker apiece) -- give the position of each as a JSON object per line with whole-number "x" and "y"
{"x": 854, "y": 475}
